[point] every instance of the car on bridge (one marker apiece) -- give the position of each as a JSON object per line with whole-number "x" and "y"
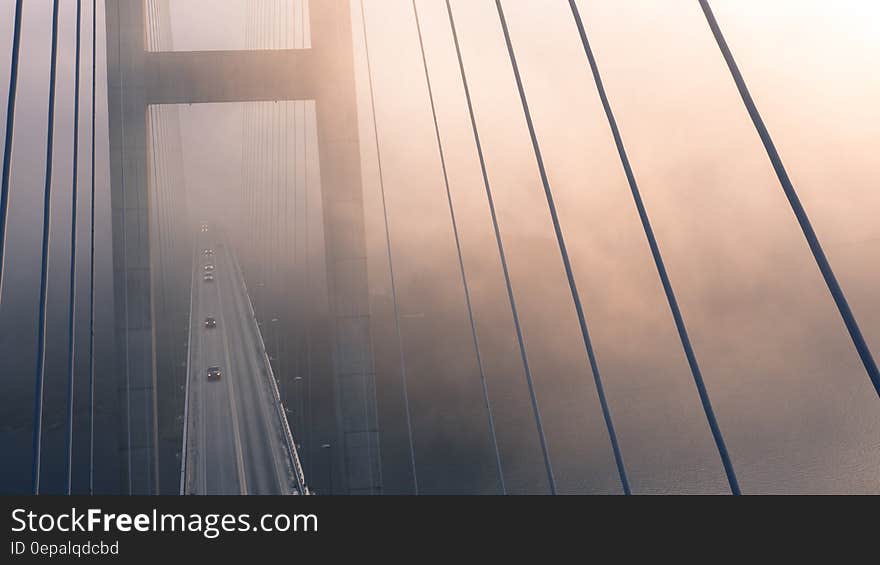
{"x": 209, "y": 277}
{"x": 210, "y": 322}
{"x": 215, "y": 373}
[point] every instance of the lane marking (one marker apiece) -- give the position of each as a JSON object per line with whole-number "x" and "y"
{"x": 259, "y": 380}
{"x": 239, "y": 457}
{"x": 261, "y": 394}
{"x": 185, "y": 465}
{"x": 203, "y": 407}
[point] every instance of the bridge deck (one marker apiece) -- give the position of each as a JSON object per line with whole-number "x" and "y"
{"x": 236, "y": 437}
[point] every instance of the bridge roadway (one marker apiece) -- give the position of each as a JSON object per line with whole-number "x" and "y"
{"x": 236, "y": 437}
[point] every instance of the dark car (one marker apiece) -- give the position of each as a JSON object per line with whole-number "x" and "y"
{"x": 209, "y": 278}
{"x": 214, "y": 373}
{"x": 210, "y": 322}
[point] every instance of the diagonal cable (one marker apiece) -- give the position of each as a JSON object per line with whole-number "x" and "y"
{"x": 797, "y": 207}
{"x": 409, "y": 428}
{"x": 566, "y": 261}
{"x": 658, "y": 258}
{"x": 467, "y": 293}
{"x": 536, "y": 411}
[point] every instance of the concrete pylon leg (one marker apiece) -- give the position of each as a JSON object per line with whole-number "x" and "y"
{"x": 132, "y": 264}
{"x": 345, "y": 412}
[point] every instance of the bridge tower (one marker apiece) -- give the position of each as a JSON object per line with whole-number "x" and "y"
{"x": 343, "y": 377}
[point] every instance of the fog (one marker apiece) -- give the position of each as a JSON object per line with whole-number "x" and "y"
{"x": 796, "y": 407}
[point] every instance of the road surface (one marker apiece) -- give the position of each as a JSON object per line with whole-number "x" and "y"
{"x": 236, "y": 436}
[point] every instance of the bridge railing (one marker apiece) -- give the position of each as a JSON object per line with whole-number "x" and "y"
{"x": 299, "y": 475}
{"x": 184, "y": 450}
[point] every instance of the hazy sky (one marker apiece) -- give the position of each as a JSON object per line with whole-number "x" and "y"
{"x": 791, "y": 396}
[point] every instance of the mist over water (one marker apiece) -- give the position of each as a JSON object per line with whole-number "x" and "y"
{"x": 797, "y": 410}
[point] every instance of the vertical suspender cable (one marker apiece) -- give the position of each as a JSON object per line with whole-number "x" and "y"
{"x": 245, "y": 148}
{"x": 302, "y": 24}
{"x": 264, "y": 178}
{"x": 797, "y": 207}
{"x": 125, "y": 340}
{"x": 284, "y": 235}
{"x": 259, "y": 170}
{"x": 245, "y": 166}
{"x": 276, "y": 236}
{"x": 253, "y": 164}
{"x": 266, "y": 194}
{"x": 92, "y": 262}
{"x": 160, "y": 172}
{"x": 409, "y": 429}
{"x": 271, "y": 213}
{"x": 242, "y": 165}
{"x": 536, "y": 411}
{"x": 271, "y": 243}
{"x": 251, "y": 189}
{"x": 249, "y": 180}
{"x": 259, "y": 199}
{"x": 258, "y": 203}
{"x": 10, "y": 125}
{"x": 71, "y": 315}
{"x": 467, "y": 294}
{"x": 266, "y": 173}
{"x": 44, "y": 269}
{"x": 566, "y": 261}
{"x": 276, "y": 21}
{"x": 286, "y": 364}
{"x": 292, "y": 326}
{"x": 658, "y": 258}
{"x": 307, "y": 418}
{"x": 290, "y": 241}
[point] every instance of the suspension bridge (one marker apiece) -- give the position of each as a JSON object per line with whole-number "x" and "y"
{"x": 245, "y": 344}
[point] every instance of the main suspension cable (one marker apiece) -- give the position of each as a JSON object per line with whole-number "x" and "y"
{"x": 71, "y": 315}
{"x": 566, "y": 261}
{"x": 467, "y": 294}
{"x": 10, "y": 126}
{"x": 536, "y": 411}
{"x": 658, "y": 258}
{"x": 797, "y": 207}
{"x": 92, "y": 259}
{"x": 40, "y": 371}
{"x": 394, "y": 297}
